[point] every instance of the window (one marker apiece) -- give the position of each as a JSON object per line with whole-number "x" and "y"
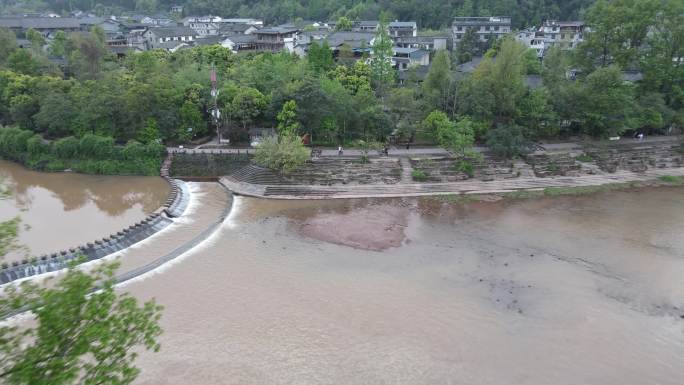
{"x": 496, "y": 28}
{"x": 459, "y": 28}
{"x": 458, "y": 36}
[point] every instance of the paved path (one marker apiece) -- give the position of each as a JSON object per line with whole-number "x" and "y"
{"x": 401, "y": 151}
{"x": 425, "y": 189}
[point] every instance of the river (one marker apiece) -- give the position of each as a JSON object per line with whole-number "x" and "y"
{"x": 63, "y": 210}
{"x": 564, "y": 290}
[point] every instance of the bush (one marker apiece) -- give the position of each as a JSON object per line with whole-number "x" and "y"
{"x": 282, "y": 154}
{"x": 465, "y": 166}
{"x": 419, "y": 175}
{"x": 507, "y": 141}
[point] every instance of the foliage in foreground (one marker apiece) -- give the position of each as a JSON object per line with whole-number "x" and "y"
{"x": 283, "y": 154}
{"x": 80, "y": 335}
{"x": 90, "y": 154}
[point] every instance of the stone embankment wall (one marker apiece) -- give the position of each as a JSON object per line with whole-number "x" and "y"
{"x": 175, "y": 205}
{"x": 191, "y": 165}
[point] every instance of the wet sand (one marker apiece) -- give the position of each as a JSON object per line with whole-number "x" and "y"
{"x": 567, "y": 290}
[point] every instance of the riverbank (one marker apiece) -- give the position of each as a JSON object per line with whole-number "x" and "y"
{"x": 437, "y": 189}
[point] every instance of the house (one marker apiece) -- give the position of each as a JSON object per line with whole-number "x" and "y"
{"x": 177, "y": 9}
{"x": 44, "y": 25}
{"x": 403, "y": 58}
{"x": 484, "y": 27}
{"x": 239, "y": 43}
{"x": 230, "y": 29}
{"x": 135, "y": 38}
{"x": 158, "y": 20}
{"x": 365, "y": 26}
{"x": 564, "y": 34}
{"x": 403, "y": 29}
{"x": 357, "y": 41}
{"x": 203, "y": 25}
{"x": 276, "y": 39}
{"x": 428, "y": 43}
{"x": 156, "y": 37}
{"x": 255, "y": 22}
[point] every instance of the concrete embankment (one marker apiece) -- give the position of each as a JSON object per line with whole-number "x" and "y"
{"x": 428, "y": 189}
{"x": 175, "y": 206}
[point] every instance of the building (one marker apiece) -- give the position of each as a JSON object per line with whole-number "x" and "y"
{"x": 403, "y": 58}
{"x": 427, "y": 43}
{"x": 177, "y": 9}
{"x": 484, "y": 27}
{"x": 47, "y": 25}
{"x": 403, "y": 29}
{"x": 255, "y": 22}
{"x": 564, "y": 34}
{"x": 160, "y": 36}
{"x": 365, "y": 26}
{"x": 240, "y": 43}
{"x": 276, "y": 39}
{"x": 229, "y": 29}
{"x": 358, "y": 42}
{"x": 203, "y": 25}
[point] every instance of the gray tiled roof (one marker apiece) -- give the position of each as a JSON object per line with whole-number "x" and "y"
{"x": 354, "y": 39}
{"x": 172, "y": 31}
{"x": 40, "y": 22}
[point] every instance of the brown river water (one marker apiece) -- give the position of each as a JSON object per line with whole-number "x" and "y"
{"x": 63, "y": 210}
{"x": 566, "y": 290}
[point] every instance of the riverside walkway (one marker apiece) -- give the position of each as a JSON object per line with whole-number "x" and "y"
{"x": 428, "y": 189}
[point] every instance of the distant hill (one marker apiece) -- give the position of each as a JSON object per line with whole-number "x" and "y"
{"x": 430, "y": 14}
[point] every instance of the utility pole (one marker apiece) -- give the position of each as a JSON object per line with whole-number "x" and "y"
{"x": 215, "y": 113}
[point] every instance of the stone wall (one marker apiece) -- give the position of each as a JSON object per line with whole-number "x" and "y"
{"x": 191, "y": 165}
{"x": 175, "y": 205}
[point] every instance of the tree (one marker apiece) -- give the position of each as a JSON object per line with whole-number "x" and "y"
{"x": 57, "y": 115}
{"x": 606, "y": 103}
{"x": 468, "y": 46}
{"x": 246, "y": 105}
{"x": 87, "y": 53}
{"x": 343, "y": 24}
{"x": 287, "y": 119}
{"x": 150, "y": 133}
{"x": 192, "y": 123}
{"x": 84, "y": 331}
{"x": 283, "y": 154}
{"x": 455, "y": 137}
{"x": 507, "y": 141}
{"x": 320, "y": 56}
{"x": 58, "y": 44}
{"x": 22, "y": 61}
{"x": 438, "y": 82}
{"x": 37, "y": 40}
{"x": 382, "y": 73}
{"x": 8, "y": 43}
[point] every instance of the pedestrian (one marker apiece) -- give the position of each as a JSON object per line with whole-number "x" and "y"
{"x": 640, "y": 136}
{"x": 339, "y": 151}
{"x": 386, "y": 150}
{"x": 408, "y": 144}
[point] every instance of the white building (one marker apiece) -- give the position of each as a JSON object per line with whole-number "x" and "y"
{"x": 564, "y": 34}
{"x": 203, "y": 25}
{"x": 484, "y": 27}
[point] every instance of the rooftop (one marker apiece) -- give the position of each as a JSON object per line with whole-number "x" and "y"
{"x": 481, "y": 20}
{"x": 172, "y": 31}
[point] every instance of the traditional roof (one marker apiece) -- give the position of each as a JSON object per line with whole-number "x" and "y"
{"x": 276, "y": 31}
{"x": 40, "y": 22}
{"x": 240, "y": 39}
{"x": 172, "y": 31}
{"x": 209, "y": 40}
{"x": 403, "y": 24}
{"x": 353, "y": 39}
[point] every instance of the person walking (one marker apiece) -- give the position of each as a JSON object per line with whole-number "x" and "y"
{"x": 339, "y": 151}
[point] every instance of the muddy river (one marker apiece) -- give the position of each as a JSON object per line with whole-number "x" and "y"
{"x": 63, "y": 210}
{"x": 566, "y": 290}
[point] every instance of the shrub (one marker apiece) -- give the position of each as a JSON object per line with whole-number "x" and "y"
{"x": 282, "y": 154}
{"x": 507, "y": 141}
{"x": 465, "y": 166}
{"x": 672, "y": 179}
{"x": 419, "y": 175}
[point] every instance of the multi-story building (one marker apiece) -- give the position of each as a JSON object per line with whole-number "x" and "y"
{"x": 428, "y": 43}
{"x": 403, "y": 29}
{"x": 276, "y": 38}
{"x": 157, "y": 37}
{"x": 203, "y": 25}
{"x": 565, "y": 34}
{"x": 404, "y": 58}
{"x": 484, "y": 27}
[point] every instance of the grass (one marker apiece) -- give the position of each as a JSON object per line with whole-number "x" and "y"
{"x": 671, "y": 179}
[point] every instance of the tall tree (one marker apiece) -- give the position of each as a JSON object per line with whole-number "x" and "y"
{"x": 438, "y": 82}
{"x": 382, "y": 73}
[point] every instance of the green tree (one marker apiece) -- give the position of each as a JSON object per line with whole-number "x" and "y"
{"x": 457, "y": 138}
{"x": 507, "y": 141}
{"x": 382, "y": 73}
{"x": 37, "y": 40}
{"x": 468, "y": 46}
{"x": 58, "y": 44}
{"x": 84, "y": 331}
{"x": 287, "y": 119}
{"x": 320, "y": 56}
{"x": 150, "y": 133}
{"x": 246, "y": 105}
{"x": 8, "y": 43}
{"x": 438, "y": 82}
{"x": 343, "y": 24}
{"x": 22, "y": 61}
{"x": 283, "y": 154}
{"x": 192, "y": 123}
